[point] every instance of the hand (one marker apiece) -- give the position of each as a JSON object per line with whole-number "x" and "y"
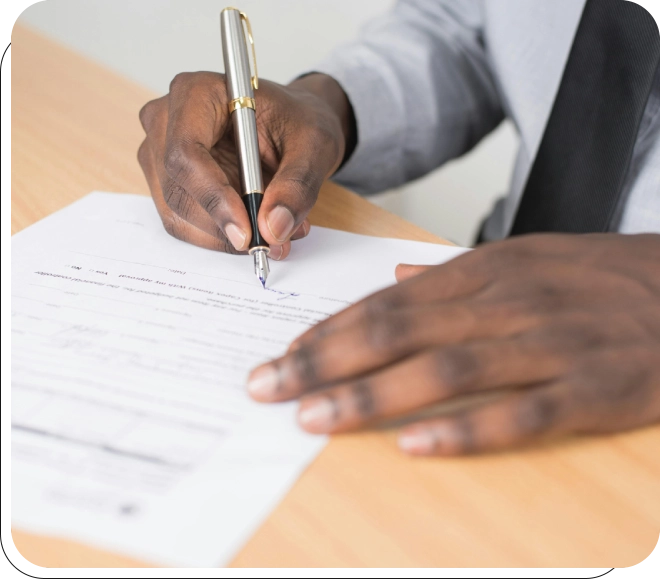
{"x": 566, "y": 328}
{"x": 189, "y": 158}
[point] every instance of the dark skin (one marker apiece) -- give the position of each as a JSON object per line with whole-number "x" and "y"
{"x": 189, "y": 158}
{"x": 565, "y": 329}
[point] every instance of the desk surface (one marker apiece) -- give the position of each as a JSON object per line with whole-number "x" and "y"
{"x": 589, "y": 502}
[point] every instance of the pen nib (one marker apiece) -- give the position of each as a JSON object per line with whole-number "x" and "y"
{"x": 261, "y": 265}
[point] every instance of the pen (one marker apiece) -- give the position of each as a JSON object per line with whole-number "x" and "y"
{"x": 240, "y": 83}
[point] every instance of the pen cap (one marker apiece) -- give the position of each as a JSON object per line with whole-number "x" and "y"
{"x": 235, "y": 53}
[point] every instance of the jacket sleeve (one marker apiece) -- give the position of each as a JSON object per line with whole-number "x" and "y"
{"x": 422, "y": 90}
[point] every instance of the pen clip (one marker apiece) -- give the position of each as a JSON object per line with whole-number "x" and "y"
{"x": 255, "y": 78}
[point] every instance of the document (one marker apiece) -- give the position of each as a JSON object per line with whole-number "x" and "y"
{"x": 131, "y": 427}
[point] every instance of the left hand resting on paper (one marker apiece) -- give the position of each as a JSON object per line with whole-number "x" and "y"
{"x": 565, "y": 327}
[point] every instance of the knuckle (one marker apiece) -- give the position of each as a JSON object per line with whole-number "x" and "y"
{"x": 375, "y": 306}
{"x": 172, "y": 195}
{"x": 210, "y": 201}
{"x": 545, "y": 296}
{"x": 178, "y": 201}
{"x": 180, "y": 80}
{"x": 304, "y": 364}
{"x": 613, "y": 381}
{"x": 388, "y": 332}
{"x": 363, "y": 398}
{"x": 499, "y": 256}
{"x": 573, "y": 336}
{"x": 148, "y": 113}
{"x": 457, "y": 368}
{"x": 176, "y": 160}
{"x": 537, "y": 413}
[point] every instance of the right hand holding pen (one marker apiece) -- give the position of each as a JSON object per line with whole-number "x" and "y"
{"x": 189, "y": 158}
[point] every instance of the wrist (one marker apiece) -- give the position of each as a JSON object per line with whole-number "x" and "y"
{"x": 331, "y": 93}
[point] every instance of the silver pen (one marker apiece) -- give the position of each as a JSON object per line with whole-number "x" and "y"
{"x": 240, "y": 84}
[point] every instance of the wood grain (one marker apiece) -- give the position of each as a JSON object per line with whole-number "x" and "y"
{"x": 591, "y": 502}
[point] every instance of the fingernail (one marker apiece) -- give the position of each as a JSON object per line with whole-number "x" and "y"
{"x": 403, "y": 268}
{"x": 417, "y": 442}
{"x": 280, "y": 222}
{"x": 317, "y": 414}
{"x": 236, "y": 235}
{"x": 263, "y": 382}
{"x": 276, "y": 252}
{"x": 302, "y": 231}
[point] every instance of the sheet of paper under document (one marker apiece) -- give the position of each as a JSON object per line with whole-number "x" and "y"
{"x": 131, "y": 427}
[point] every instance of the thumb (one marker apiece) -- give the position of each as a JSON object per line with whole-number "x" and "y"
{"x": 405, "y": 271}
{"x": 290, "y": 195}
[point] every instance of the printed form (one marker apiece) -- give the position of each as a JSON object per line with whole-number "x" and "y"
{"x": 131, "y": 427}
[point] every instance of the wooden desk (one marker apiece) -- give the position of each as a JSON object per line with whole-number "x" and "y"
{"x": 588, "y": 502}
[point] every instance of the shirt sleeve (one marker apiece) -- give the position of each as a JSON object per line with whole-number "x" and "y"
{"x": 421, "y": 88}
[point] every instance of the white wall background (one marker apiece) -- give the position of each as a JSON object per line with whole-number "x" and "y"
{"x": 149, "y": 41}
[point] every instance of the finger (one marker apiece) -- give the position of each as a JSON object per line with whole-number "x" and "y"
{"x": 279, "y": 252}
{"x": 198, "y": 118}
{"x": 292, "y": 192}
{"x": 186, "y": 231}
{"x": 164, "y": 190}
{"x": 517, "y": 334}
{"x": 427, "y": 378}
{"x": 454, "y": 280}
{"x": 186, "y": 207}
{"x": 302, "y": 231}
{"x": 519, "y": 418}
{"x": 382, "y": 340}
{"x": 441, "y": 372}
{"x": 405, "y": 271}
{"x": 489, "y": 347}
{"x": 193, "y": 226}
{"x": 148, "y": 165}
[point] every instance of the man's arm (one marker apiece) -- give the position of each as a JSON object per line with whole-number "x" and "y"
{"x": 415, "y": 91}
{"x": 421, "y": 88}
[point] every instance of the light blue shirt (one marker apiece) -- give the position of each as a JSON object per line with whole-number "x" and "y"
{"x": 428, "y": 80}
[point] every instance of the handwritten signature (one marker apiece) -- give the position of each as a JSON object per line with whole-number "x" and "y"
{"x": 283, "y": 295}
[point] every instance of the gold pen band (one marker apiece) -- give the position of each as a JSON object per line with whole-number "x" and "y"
{"x": 241, "y": 103}
{"x": 252, "y": 192}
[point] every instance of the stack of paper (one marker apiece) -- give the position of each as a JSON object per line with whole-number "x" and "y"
{"x": 131, "y": 428}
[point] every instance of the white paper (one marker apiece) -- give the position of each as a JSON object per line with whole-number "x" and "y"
{"x": 131, "y": 428}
